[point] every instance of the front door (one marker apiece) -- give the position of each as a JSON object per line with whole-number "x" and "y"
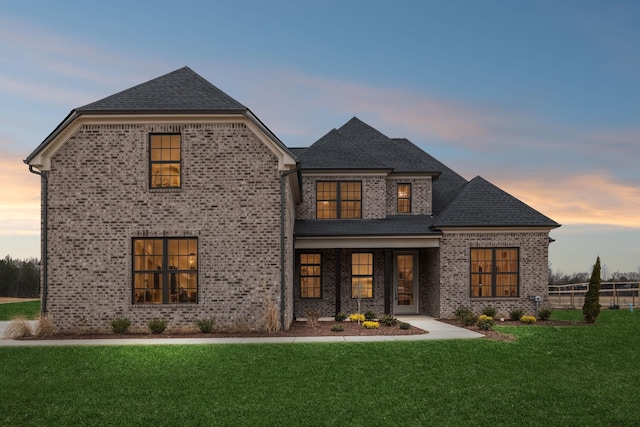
{"x": 406, "y": 283}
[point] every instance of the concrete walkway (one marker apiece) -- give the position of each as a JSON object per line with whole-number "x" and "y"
{"x": 437, "y": 331}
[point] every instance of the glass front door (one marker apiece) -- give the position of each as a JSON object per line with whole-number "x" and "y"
{"x": 406, "y": 283}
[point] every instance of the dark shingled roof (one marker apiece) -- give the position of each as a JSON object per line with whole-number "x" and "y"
{"x": 180, "y": 90}
{"x": 482, "y": 204}
{"x": 391, "y": 226}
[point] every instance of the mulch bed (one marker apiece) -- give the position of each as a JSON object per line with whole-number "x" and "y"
{"x": 297, "y": 329}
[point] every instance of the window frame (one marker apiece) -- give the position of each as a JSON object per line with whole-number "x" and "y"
{"x": 165, "y": 274}
{"x": 359, "y": 276}
{"x": 494, "y": 274}
{"x": 339, "y": 200}
{"x": 153, "y": 163}
{"x": 312, "y": 276}
{"x": 398, "y": 198}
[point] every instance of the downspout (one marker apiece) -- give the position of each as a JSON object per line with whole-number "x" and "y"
{"x": 43, "y": 259}
{"x": 282, "y": 238}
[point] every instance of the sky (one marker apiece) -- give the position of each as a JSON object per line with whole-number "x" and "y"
{"x": 541, "y": 98}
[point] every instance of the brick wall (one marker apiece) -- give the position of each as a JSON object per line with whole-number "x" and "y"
{"x": 455, "y": 270}
{"x": 420, "y": 195}
{"x": 99, "y": 200}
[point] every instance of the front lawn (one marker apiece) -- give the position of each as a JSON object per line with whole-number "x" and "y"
{"x": 584, "y": 375}
{"x": 28, "y": 309}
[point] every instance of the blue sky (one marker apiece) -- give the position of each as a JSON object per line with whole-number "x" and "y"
{"x": 542, "y": 98}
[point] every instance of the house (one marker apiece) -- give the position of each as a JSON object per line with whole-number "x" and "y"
{"x": 172, "y": 200}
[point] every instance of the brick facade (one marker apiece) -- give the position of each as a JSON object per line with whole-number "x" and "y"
{"x": 455, "y": 250}
{"x": 99, "y": 199}
{"x": 420, "y": 195}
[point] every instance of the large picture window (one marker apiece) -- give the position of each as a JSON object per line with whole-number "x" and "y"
{"x": 165, "y": 270}
{"x": 165, "y": 161}
{"x": 310, "y": 275}
{"x": 362, "y": 275}
{"x": 339, "y": 199}
{"x": 494, "y": 272}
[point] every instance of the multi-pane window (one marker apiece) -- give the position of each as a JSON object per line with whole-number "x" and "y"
{"x": 339, "y": 199}
{"x": 404, "y": 198}
{"x": 164, "y": 161}
{"x": 310, "y": 275}
{"x": 494, "y": 272}
{"x": 165, "y": 270}
{"x": 362, "y": 275}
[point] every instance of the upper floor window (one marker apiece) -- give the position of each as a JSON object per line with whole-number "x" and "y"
{"x": 338, "y": 199}
{"x": 404, "y": 198}
{"x": 165, "y": 270}
{"x": 494, "y": 272}
{"x": 165, "y": 161}
{"x": 310, "y": 275}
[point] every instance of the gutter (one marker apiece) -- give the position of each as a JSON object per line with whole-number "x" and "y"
{"x": 283, "y": 176}
{"x": 43, "y": 259}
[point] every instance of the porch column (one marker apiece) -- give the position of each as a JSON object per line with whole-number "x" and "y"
{"x": 388, "y": 280}
{"x": 338, "y": 274}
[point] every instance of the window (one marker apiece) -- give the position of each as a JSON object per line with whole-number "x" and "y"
{"x": 164, "y": 161}
{"x": 362, "y": 275}
{"x": 494, "y": 272}
{"x": 404, "y": 198}
{"x": 310, "y": 275}
{"x": 339, "y": 199}
{"x": 165, "y": 271}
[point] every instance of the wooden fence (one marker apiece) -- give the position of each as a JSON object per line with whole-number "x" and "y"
{"x": 611, "y": 293}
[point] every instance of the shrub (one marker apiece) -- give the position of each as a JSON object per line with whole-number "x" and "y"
{"x": 485, "y": 322}
{"x": 120, "y": 325}
{"x": 370, "y": 324}
{"x": 18, "y": 328}
{"x": 404, "y": 325}
{"x": 462, "y": 312}
{"x": 388, "y": 320}
{"x": 206, "y": 326}
{"x": 370, "y": 315}
{"x": 45, "y": 327}
{"x": 469, "y": 319}
{"x": 157, "y": 326}
{"x": 544, "y": 314}
{"x": 490, "y": 311}
{"x": 516, "y": 314}
{"x": 356, "y": 317}
{"x": 340, "y": 317}
{"x": 337, "y": 328}
{"x": 312, "y": 317}
{"x": 528, "y": 319}
{"x": 271, "y": 317}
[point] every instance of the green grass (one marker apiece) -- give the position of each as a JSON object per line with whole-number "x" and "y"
{"x": 569, "y": 376}
{"x": 11, "y": 310}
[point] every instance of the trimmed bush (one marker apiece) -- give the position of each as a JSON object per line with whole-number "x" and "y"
{"x": 528, "y": 319}
{"x": 157, "y": 326}
{"x": 516, "y": 314}
{"x": 490, "y": 311}
{"x": 544, "y": 314}
{"x": 206, "y": 326}
{"x": 469, "y": 319}
{"x": 337, "y": 328}
{"x": 388, "y": 320}
{"x": 370, "y": 324}
{"x": 340, "y": 317}
{"x": 405, "y": 325}
{"x": 370, "y": 315}
{"x": 356, "y": 317}
{"x": 462, "y": 312}
{"x": 120, "y": 325}
{"x": 485, "y": 322}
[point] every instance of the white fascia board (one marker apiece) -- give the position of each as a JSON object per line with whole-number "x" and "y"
{"x": 494, "y": 230}
{"x": 365, "y": 242}
{"x": 42, "y": 160}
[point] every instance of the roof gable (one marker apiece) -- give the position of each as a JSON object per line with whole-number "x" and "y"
{"x": 482, "y": 204}
{"x": 335, "y": 151}
{"x": 179, "y": 91}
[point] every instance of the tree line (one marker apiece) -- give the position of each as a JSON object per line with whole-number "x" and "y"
{"x": 560, "y": 278}
{"x": 19, "y": 278}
